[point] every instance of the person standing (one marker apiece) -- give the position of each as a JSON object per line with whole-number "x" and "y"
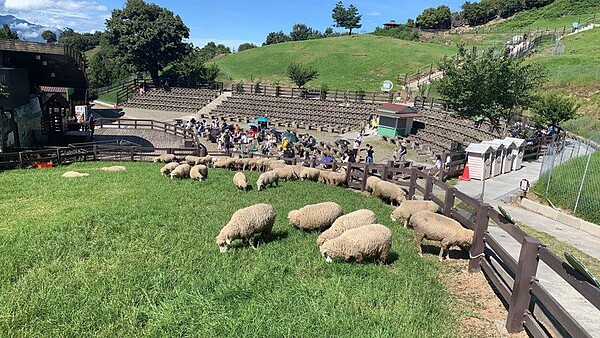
{"x": 243, "y": 142}
{"x": 369, "y": 158}
{"x": 403, "y": 151}
{"x": 92, "y": 125}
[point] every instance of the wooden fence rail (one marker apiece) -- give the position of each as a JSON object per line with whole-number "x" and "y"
{"x": 515, "y": 279}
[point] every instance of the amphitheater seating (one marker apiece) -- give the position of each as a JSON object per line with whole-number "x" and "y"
{"x": 298, "y": 112}
{"x": 187, "y": 100}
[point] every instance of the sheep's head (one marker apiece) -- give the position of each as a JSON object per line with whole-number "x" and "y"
{"x": 323, "y": 251}
{"x": 293, "y": 217}
{"x": 259, "y": 183}
{"x": 223, "y": 242}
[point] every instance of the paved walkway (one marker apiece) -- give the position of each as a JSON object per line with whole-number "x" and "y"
{"x": 496, "y": 191}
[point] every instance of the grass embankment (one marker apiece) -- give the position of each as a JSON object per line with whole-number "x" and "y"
{"x": 133, "y": 254}
{"x": 358, "y": 62}
{"x": 565, "y": 183}
{"x": 559, "y": 14}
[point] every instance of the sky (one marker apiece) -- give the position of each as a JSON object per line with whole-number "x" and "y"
{"x": 230, "y": 22}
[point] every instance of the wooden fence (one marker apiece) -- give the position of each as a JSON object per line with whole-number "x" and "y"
{"x": 337, "y": 95}
{"x": 530, "y": 305}
{"x": 176, "y": 130}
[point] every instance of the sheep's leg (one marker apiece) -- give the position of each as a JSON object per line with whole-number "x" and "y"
{"x": 253, "y": 243}
{"x": 383, "y": 256}
{"x": 406, "y": 222}
{"x": 444, "y": 249}
{"x": 418, "y": 238}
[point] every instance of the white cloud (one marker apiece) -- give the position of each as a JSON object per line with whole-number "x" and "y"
{"x": 374, "y": 13}
{"x": 67, "y": 5}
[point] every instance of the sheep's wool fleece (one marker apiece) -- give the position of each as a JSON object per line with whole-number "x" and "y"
{"x": 315, "y": 216}
{"x": 70, "y": 174}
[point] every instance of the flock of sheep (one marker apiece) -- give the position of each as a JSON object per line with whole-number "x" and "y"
{"x": 354, "y": 236}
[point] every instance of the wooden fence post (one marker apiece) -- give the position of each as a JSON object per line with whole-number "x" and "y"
{"x": 526, "y": 270}
{"x": 364, "y": 178}
{"x": 348, "y": 174}
{"x": 95, "y": 152}
{"x": 428, "y": 187}
{"x": 384, "y": 174}
{"x": 449, "y": 201}
{"x": 413, "y": 183}
{"x": 481, "y": 225}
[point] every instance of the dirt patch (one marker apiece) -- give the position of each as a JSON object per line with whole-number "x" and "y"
{"x": 480, "y": 311}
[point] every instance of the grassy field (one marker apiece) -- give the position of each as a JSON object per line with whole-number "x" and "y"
{"x": 358, "y": 62}
{"x": 564, "y": 187}
{"x": 133, "y": 254}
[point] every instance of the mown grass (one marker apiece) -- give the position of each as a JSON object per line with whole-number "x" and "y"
{"x": 565, "y": 184}
{"x": 358, "y": 62}
{"x": 133, "y": 254}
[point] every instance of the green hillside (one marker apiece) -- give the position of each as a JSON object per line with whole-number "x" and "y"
{"x": 358, "y": 62}
{"x": 559, "y": 14}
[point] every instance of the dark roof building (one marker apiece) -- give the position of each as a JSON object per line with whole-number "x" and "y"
{"x": 391, "y": 24}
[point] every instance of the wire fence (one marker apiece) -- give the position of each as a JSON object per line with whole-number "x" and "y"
{"x": 570, "y": 178}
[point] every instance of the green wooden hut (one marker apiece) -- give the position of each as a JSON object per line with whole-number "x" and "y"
{"x": 395, "y": 119}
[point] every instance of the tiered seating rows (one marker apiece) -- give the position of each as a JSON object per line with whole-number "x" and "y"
{"x": 301, "y": 111}
{"x": 177, "y": 99}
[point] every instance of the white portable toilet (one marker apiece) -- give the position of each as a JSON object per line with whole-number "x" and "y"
{"x": 497, "y": 156}
{"x": 520, "y": 144}
{"x": 479, "y": 160}
{"x": 510, "y": 154}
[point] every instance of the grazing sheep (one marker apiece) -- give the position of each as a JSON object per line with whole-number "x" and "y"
{"x": 253, "y": 163}
{"x": 224, "y": 163}
{"x": 165, "y": 158}
{"x": 182, "y": 171}
{"x": 389, "y": 191}
{"x": 276, "y": 164}
{"x": 436, "y": 227}
{"x": 367, "y": 241}
{"x": 297, "y": 170}
{"x": 240, "y": 182}
{"x": 245, "y": 224}
{"x": 71, "y": 174}
{"x": 199, "y": 172}
{"x": 337, "y": 178}
{"x": 206, "y": 160}
{"x": 192, "y": 160}
{"x": 267, "y": 178}
{"x": 284, "y": 173}
{"x": 410, "y": 207}
{"x": 323, "y": 176}
{"x": 371, "y": 181}
{"x": 245, "y": 163}
{"x": 315, "y": 216}
{"x": 114, "y": 168}
{"x": 311, "y": 174}
{"x": 260, "y": 163}
{"x": 167, "y": 168}
{"x": 349, "y": 221}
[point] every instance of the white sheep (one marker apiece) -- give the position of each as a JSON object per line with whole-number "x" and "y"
{"x": 165, "y": 158}
{"x": 114, "y": 168}
{"x": 285, "y": 173}
{"x": 371, "y": 181}
{"x": 297, "y": 169}
{"x": 368, "y": 241}
{"x": 192, "y": 160}
{"x": 349, "y": 221}
{"x": 199, "y": 172}
{"x": 411, "y": 207}
{"x": 71, "y": 174}
{"x": 323, "y": 176}
{"x": 276, "y": 164}
{"x": 389, "y": 191}
{"x": 253, "y": 163}
{"x": 311, "y": 174}
{"x": 337, "y": 178}
{"x": 182, "y": 171}
{"x": 315, "y": 216}
{"x": 240, "y": 182}
{"x": 245, "y": 224}
{"x": 167, "y": 168}
{"x": 436, "y": 227}
{"x": 267, "y": 178}
{"x": 224, "y": 163}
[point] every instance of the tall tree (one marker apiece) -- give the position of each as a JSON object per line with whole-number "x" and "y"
{"x": 211, "y": 49}
{"x": 7, "y": 33}
{"x": 493, "y": 85}
{"x": 276, "y": 37}
{"x": 300, "y": 74}
{"x": 554, "y": 109}
{"x": 346, "y": 17}
{"x": 148, "y": 36}
{"x": 246, "y": 46}
{"x": 49, "y": 36}
{"x": 435, "y": 18}
{"x": 80, "y": 41}
{"x": 300, "y": 32}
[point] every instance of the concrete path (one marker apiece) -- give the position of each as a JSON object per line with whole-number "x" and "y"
{"x": 497, "y": 190}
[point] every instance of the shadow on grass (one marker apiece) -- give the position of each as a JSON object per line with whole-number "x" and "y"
{"x": 261, "y": 240}
{"x": 453, "y": 253}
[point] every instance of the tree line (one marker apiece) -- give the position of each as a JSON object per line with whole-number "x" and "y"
{"x": 474, "y": 13}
